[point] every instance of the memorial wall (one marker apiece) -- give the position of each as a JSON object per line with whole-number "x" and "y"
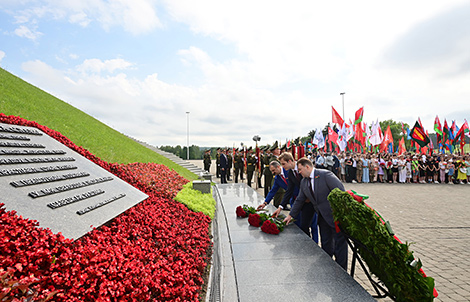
{"x": 44, "y": 180}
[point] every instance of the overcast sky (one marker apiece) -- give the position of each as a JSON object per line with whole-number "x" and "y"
{"x": 242, "y": 68}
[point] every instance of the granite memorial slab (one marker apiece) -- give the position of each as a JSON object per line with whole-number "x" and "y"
{"x": 44, "y": 180}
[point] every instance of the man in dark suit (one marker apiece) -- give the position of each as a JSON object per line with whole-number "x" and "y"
{"x": 280, "y": 181}
{"x": 223, "y": 167}
{"x": 313, "y": 197}
{"x": 293, "y": 189}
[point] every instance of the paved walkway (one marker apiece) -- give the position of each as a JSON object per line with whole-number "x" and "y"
{"x": 263, "y": 267}
{"x": 436, "y": 219}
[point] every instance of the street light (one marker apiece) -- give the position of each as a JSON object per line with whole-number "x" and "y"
{"x": 342, "y": 94}
{"x": 187, "y": 145}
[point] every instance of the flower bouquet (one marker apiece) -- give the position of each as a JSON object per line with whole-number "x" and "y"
{"x": 257, "y": 220}
{"x": 273, "y": 226}
{"x": 244, "y": 211}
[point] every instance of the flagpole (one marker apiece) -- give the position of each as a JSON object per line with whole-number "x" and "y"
{"x": 342, "y": 94}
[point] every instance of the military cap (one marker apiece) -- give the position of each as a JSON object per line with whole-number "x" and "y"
{"x": 274, "y": 147}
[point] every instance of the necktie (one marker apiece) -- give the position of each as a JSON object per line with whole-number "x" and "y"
{"x": 310, "y": 185}
{"x": 283, "y": 178}
{"x": 296, "y": 173}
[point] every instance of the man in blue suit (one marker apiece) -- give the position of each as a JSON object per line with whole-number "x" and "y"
{"x": 223, "y": 167}
{"x": 313, "y": 197}
{"x": 293, "y": 188}
{"x": 280, "y": 181}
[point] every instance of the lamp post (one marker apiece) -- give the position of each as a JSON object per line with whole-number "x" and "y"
{"x": 342, "y": 94}
{"x": 187, "y": 144}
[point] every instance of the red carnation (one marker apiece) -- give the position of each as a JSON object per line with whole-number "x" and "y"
{"x": 254, "y": 220}
{"x": 240, "y": 212}
{"x": 270, "y": 228}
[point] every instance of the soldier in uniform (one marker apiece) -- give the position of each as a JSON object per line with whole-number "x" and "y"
{"x": 229, "y": 163}
{"x": 237, "y": 163}
{"x": 250, "y": 165}
{"x": 217, "y": 162}
{"x": 207, "y": 160}
{"x": 259, "y": 160}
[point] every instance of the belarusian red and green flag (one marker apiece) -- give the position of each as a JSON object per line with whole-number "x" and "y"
{"x": 336, "y": 118}
{"x": 358, "y": 116}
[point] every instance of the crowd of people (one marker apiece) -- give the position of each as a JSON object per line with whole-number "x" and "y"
{"x": 396, "y": 168}
{"x": 352, "y": 167}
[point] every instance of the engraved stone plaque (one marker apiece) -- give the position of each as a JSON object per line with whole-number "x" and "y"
{"x": 42, "y": 179}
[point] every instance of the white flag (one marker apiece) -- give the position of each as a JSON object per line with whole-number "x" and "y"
{"x": 318, "y": 139}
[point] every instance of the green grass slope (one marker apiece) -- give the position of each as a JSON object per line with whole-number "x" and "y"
{"x": 20, "y": 98}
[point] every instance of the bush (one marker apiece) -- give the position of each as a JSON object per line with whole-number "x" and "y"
{"x": 196, "y": 201}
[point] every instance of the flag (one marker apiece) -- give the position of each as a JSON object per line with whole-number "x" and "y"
{"x": 418, "y": 135}
{"x": 388, "y": 138}
{"x": 350, "y": 131}
{"x": 431, "y": 145}
{"x": 401, "y": 146}
{"x": 437, "y": 126}
{"x": 336, "y": 118}
{"x": 342, "y": 141}
{"x": 318, "y": 139}
{"x": 332, "y": 136}
{"x": 358, "y": 117}
{"x": 360, "y": 135}
{"x": 461, "y": 134}
{"x": 376, "y": 137}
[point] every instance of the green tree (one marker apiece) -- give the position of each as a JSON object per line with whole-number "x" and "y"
{"x": 397, "y": 133}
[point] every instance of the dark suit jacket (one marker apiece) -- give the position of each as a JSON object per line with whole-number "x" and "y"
{"x": 293, "y": 188}
{"x": 324, "y": 182}
{"x": 223, "y": 161}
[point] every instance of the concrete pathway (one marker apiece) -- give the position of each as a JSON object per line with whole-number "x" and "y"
{"x": 256, "y": 266}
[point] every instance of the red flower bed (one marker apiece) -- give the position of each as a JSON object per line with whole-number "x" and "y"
{"x": 157, "y": 250}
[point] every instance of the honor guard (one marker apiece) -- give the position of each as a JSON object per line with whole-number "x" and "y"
{"x": 250, "y": 165}
{"x": 238, "y": 165}
{"x": 207, "y": 160}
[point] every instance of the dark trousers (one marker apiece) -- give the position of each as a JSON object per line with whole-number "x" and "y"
{"x": 309, "y": 221}
{"x": 333, "y": 243}
{"x": 223, "y": 178}
{"x": 268, "y": 182}
{"x": 249, "y": 177}
{"x": 236, "y": 171}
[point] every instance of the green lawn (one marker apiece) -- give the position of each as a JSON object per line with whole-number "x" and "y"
{"x": 20, "y": 98}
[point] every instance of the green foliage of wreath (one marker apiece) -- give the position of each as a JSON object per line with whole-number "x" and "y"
{"x": 391, "y": 261}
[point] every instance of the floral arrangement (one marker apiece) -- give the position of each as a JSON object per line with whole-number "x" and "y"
{"x": 273, "y": 226}
{"x": 155, "y": 251}
{"x": 244, "y": 211}
{"x": 257, "y": 220}
{"x": 387, "y": 257}
{"x": 268, "y": 224}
